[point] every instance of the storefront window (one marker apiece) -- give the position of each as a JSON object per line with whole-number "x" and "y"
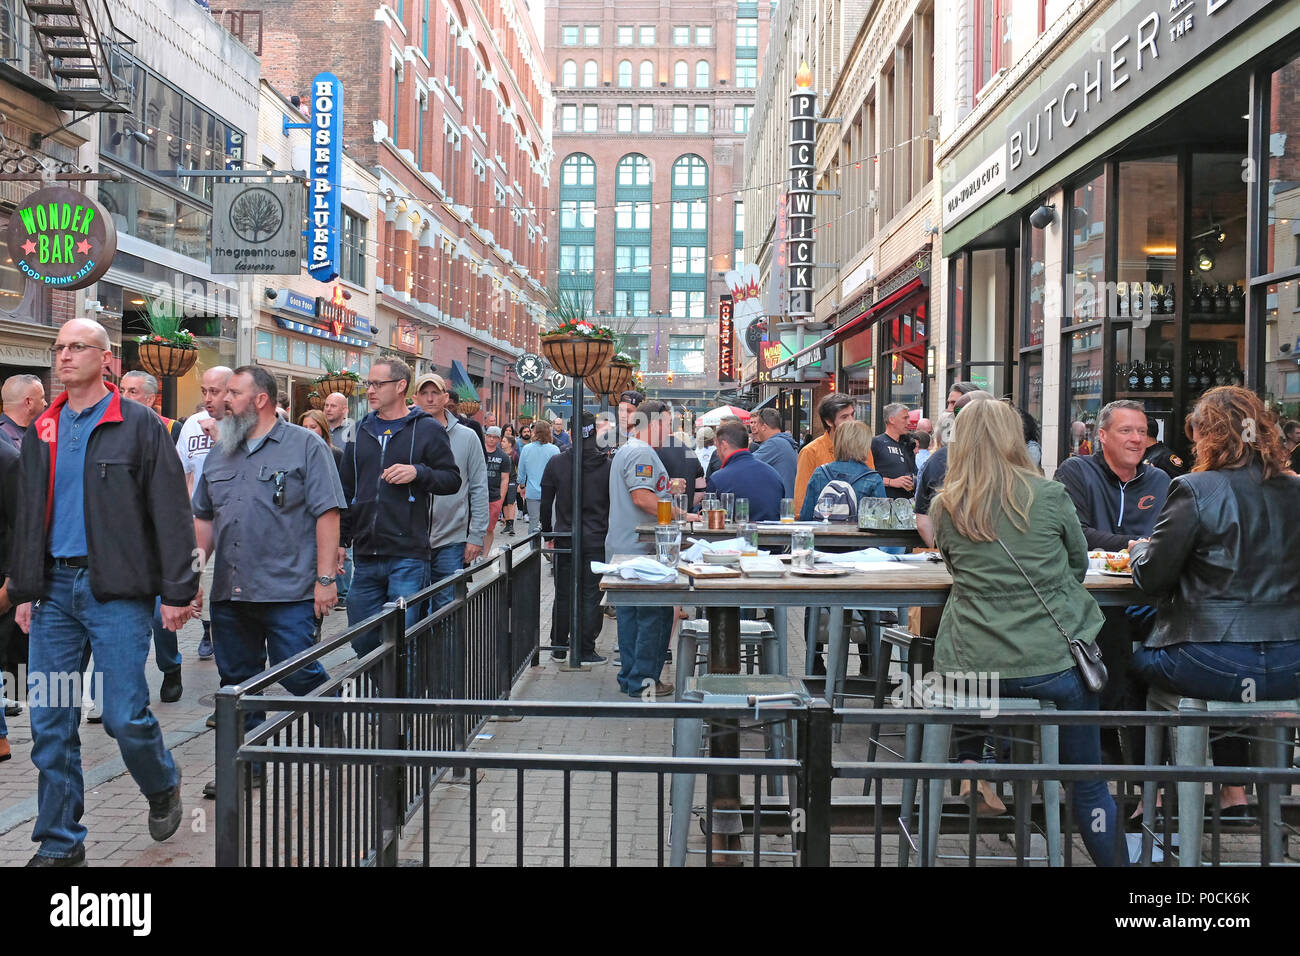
{"x": 299, "y": 352}
{"x": 280, "y": 348}
{"x": 1029, "y": 395}
{"x": 903, "y": 362}
{"x": 992, "y": 301}
{"x": 1282, "y": 348}
{"x": 957, "y": 309}
{"x": 1216, "y": 315}
{"x": 1282, "y": 201}
{"x": 263, "y": 344}
{"x": 1087, "y": 225}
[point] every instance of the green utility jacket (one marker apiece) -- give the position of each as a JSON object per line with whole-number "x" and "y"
{"x": 993, "y": 622}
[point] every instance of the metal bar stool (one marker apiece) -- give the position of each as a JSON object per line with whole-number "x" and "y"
{"x": 915, "y": 654}
{"x": 1190, "y": 749}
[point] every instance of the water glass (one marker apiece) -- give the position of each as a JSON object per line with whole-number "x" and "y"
{"x": 787, "y": 511}
{"x": 668, "y": 545}
{"x": 749, "y": 535}
{"x": 679, "y": 504}
{"x": 801, "y": 549}
{"x": 729, "y": 505}
{"x": 742, "y": 510}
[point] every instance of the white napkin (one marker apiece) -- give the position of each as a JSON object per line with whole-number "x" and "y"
{"x": 637, "y": 569}
{"x": 695, "y": 552}
{"x": 863, "y": 556}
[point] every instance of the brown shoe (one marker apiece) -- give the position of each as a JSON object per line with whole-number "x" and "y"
{"x": 5, "y": 754}
{"x": 663, "y": 690}
{"x": 990, "y": 804}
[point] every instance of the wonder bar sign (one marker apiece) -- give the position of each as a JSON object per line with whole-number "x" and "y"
{"x": 803, "y": 138}
{"x": 1127, "y": 62}
{"x": 61, "y": 238}
{"x": 326, "y": 177}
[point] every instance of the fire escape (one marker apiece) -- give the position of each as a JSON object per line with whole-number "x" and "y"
{"x": 65, "y": 53}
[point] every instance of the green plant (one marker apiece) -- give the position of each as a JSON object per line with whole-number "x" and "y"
{"x": 336, "y": 371}
{"x": 165, "y": 326}
{"x": 625, "y": 358}
{"x": 567, "y": 313}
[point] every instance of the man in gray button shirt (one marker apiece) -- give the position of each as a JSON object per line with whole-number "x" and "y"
{"x": 266, "y": 510}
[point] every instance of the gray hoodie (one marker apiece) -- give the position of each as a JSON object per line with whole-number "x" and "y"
{"x": 463, "y": 516}
{"x": 779, "y": 452}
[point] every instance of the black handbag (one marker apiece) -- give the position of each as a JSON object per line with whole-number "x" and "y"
{"x": 1087, "y": 657}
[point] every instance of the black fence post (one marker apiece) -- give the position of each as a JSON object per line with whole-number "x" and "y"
{"x": 393, "y": 683}
{"x": 817, "y": 772}
{"x": 505, "y": 669}
{"x": 230, "y": 775}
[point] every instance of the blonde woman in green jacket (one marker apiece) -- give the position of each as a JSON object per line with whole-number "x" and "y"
{"x": 993, "y": 622}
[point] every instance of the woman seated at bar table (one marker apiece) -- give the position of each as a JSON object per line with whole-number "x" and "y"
{"x": 993, "y": 622}
{"x": 1224, "y": 564}
{"x": 852, "y": 452}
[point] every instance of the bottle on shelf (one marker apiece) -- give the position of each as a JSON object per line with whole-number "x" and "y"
{"x": 1167, "y": 301}
{"x": 1235, "y": 375}
{"x": 1135, "y": 377}
{"x": 1236, "y": 300}
{"x": 1165, "y": 378}
{"x": 1138, "y": 304}
{"x": 1206, "y": 373}
{"x": 1158, "y": 299}
{"x": 1194, "y": 373}
{"x": 1221, "y": 297}
{"x": 1205, "y": 298}
{"x": 1149, "y": 377}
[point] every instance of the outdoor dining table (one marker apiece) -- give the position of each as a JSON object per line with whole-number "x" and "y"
{"x": 774, "y": 535}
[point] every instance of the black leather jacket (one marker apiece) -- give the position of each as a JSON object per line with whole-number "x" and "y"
{"x": 1223, "y": 560}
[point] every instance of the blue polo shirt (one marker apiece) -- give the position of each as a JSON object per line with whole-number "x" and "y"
{"x": 68, "y": 521}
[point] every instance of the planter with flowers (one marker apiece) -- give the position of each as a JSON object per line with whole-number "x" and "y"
{"x": 575, "y": 345}
{"x": 167, "y": 351}
{"x": 316, "y": 400}
{"x": 614, "y": 377}
{"x": 341, "y": 380}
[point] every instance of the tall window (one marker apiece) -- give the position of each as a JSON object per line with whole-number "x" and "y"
{"x": 421, "y": 105}
{"x": 704, "y": 36}
{"x": 625, "y": 73}
{"x": 424, "y": 29}
{"x": 591, "y": 36}
{"x": 569, "y": 73}
{"x": 625, "y": 119}
{"x": 690, "y": 171}
{"x": 354, "y": 249}
{"x": 681, "y": 119}
{"x": 746, "y": 32}
{"x": 681, "y": 75}
{"x": 746, "y": 73}
{"x": 740, "y": 118}
{"x": 686, "y": 354}
{"x": 397, "y": 104}
{"x": 568, "y": 36}
{"x": 632, "y": 170}
{"x": 590, "y": 73}
{"x": 690, "y": 214}
{"x": 992, "y": 19}
{"x": 568, "y": 118}
{"x": 577, "y": 243}
{"x": 739, "y": 229}
{"x": 702, "y": 74}
{"x": 689, "y": 237}
{"x": 647, "y": 74}
{"x": 577, "y": 214}
{"x": 645, "y": 119}
{"x": 579, "y": 170}
{"x": 701, "y": 119}
{"x": 632, "y": 196}
{"x": 589, "y": 119}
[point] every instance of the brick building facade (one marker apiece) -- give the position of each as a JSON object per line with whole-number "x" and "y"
{"x": 443, "y": 99}
{"x": 652, "y": 106}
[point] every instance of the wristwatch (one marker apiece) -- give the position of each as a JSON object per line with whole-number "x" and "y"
{"x": 325, "y": 580}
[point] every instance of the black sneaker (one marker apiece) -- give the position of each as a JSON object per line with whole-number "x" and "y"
{"x": 210, "y": 788}
{"x": 78, "y": 858}
{"x": 171, "y": 687}
{"x": 593, "y": 659}
{"x": 559, "y": 653}
{"x": 165, "y": 811}
{"x": 205, "y": 646}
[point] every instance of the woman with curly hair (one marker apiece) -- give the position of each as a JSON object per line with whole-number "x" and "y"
{"x": 1223, "y": 563}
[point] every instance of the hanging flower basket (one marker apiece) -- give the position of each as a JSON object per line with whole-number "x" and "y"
{"x": 577, "y": 355}
{"x": 167, "y": 359}
{"x": 469, "y": 408}
{"x": 625, "y": 369}
{"x": 317, "y": 401}
{"x": 344, "y": 383}
{"x": 605, "y": 380}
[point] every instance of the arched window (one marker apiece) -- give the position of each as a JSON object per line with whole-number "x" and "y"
{"x": 702, "y": 74}
{"x": 590, "y": 73}
{"x": 625, "y": 73}
{"x": 647, "y": 74}
{"x": 579, "y": 170}
{"x": 681, "y": 75}
{"x": 690, "y": 171}
{"x": 569, "y": 73}
{"x": 633, "y": 170}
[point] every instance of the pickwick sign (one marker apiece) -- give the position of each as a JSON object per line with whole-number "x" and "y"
{"x": 61, "y": 238}
{"x": 1127, "y": 62}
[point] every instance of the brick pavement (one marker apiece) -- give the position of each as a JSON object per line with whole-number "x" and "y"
{"x": 116, "y": 812}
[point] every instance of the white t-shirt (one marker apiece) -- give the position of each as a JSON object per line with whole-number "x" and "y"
{"x": 193, "y": 445}
{"x": 635, "y": 465}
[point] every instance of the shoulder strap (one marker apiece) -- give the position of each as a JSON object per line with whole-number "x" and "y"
{"x": 1037, "y": 594}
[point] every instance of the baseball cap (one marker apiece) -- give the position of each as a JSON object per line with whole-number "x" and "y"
{"x": 428, "y": 377}
{"x": 632, "y": 398}
{"x": 494, "y": 430}
{"x": 704, "y": 433}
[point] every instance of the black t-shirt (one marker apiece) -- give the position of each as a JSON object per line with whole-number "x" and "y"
{"x": 931, "y": 480}
{"x": 1162, "y": 456}
{"x": 497, "y": 462}
{"x": 680, "y": 462}
{"x": 894, "y": 459}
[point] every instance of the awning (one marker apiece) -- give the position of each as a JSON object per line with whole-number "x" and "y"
{"x": 860, "y": 322}
{"x": 305, "y": 329}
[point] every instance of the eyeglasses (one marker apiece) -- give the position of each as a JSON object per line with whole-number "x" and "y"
{"x": 76, "y": 348}
{"x": 279, "y": 489}
{"x": 373, "y": 383}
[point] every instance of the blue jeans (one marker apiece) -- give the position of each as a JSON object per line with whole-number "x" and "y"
{"x": 165, "y": 649}
{"x": 68, "y": 624}
{"x": 377, "y": 581}
{"x": 1080, "y": 745}
{"x": 1220, "y": 671}
{"x": 444, "y": 562}
{"x": 345, "y": 579}
{"x": 246, "y": 634}
{"x": 643, "y": 634}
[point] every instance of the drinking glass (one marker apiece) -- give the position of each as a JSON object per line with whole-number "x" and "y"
{"x": 749, "y": 534}
{"x": 679, "y": 504}
{"x": 668, "y": 545}
{"x": 801, "y": 549}
{"x": 904, "y": 516}
{"x": 787, "y": 511}
{"x": 729, "y": 505}
{"x": 665, "y": 514}
{"x": 677, "y": 486}
{"x": 742, "y": 510}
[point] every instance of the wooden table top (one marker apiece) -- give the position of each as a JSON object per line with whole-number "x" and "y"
{"x": 840, "y": 530}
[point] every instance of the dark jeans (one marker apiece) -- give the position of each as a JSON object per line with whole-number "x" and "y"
{"x": 1224, "y": 671}
{"x": 1093, "y": 806}
{"x": 592, "y": 618}
{"x": 166, "y": 652}
{"x": 377, "y": 581}
{"x": 444, "y": 562}
{"x": 1125, "y": 688}
{"x": 643, "y": 635}
{"x": 246, "y": 634}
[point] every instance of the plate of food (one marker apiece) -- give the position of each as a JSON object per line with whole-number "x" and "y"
{"x": 1116, "y": 564}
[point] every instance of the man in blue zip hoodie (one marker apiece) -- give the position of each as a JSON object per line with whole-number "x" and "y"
{"x": 1118, "y": 498}
{"x": 398, "y": 460}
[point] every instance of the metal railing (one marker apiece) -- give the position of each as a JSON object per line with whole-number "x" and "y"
{"x": 335, "y": 796}
{"x": 474, "y": 647}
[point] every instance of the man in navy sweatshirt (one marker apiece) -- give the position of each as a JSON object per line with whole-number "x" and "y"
{"x": 1118, "y": 498}
{"x": 398, "y": 460}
